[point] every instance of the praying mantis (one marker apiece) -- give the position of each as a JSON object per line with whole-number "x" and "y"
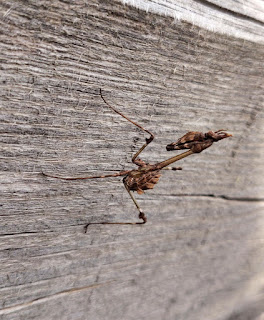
{"x": 147, "y": 175}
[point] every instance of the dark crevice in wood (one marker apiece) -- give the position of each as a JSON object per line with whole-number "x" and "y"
{"x": 236, "y": 198}
{"x": 249, "y": 199}
{"x": 18, "y": 233}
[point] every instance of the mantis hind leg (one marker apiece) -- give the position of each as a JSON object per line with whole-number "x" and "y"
{"x": 141, "y": 214}
{"x": 148, "y": 140}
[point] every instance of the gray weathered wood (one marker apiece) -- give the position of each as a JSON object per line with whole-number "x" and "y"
{"x": 239, "y": 18}
{"x": 200, "y": 256}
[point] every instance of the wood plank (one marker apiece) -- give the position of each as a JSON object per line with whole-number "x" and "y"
{"x": 249, "y": 8}
{"x": 201, "y": 253}
{"x": 240, "y": 18}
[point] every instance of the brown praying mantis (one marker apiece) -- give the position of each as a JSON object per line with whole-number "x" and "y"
{"x": 147, "y": 175}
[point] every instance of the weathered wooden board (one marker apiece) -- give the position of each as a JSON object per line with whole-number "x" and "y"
{"x": 200, "y": 256}
{"x": 239, "y": 18}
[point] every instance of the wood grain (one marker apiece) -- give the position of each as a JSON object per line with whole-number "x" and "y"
{"x": 200, "y": 256}
{"x": 238, "y": 18}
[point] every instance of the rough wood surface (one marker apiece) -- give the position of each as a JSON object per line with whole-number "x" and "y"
{"x": 239, "y": 18}
{"x": 201, "y": 254}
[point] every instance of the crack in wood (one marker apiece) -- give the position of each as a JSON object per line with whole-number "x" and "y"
{"x": 55, "y": 295}
{"x": 225, "y": 197}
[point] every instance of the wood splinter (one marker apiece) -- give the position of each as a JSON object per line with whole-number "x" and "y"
{"x": 147, "y": 175}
